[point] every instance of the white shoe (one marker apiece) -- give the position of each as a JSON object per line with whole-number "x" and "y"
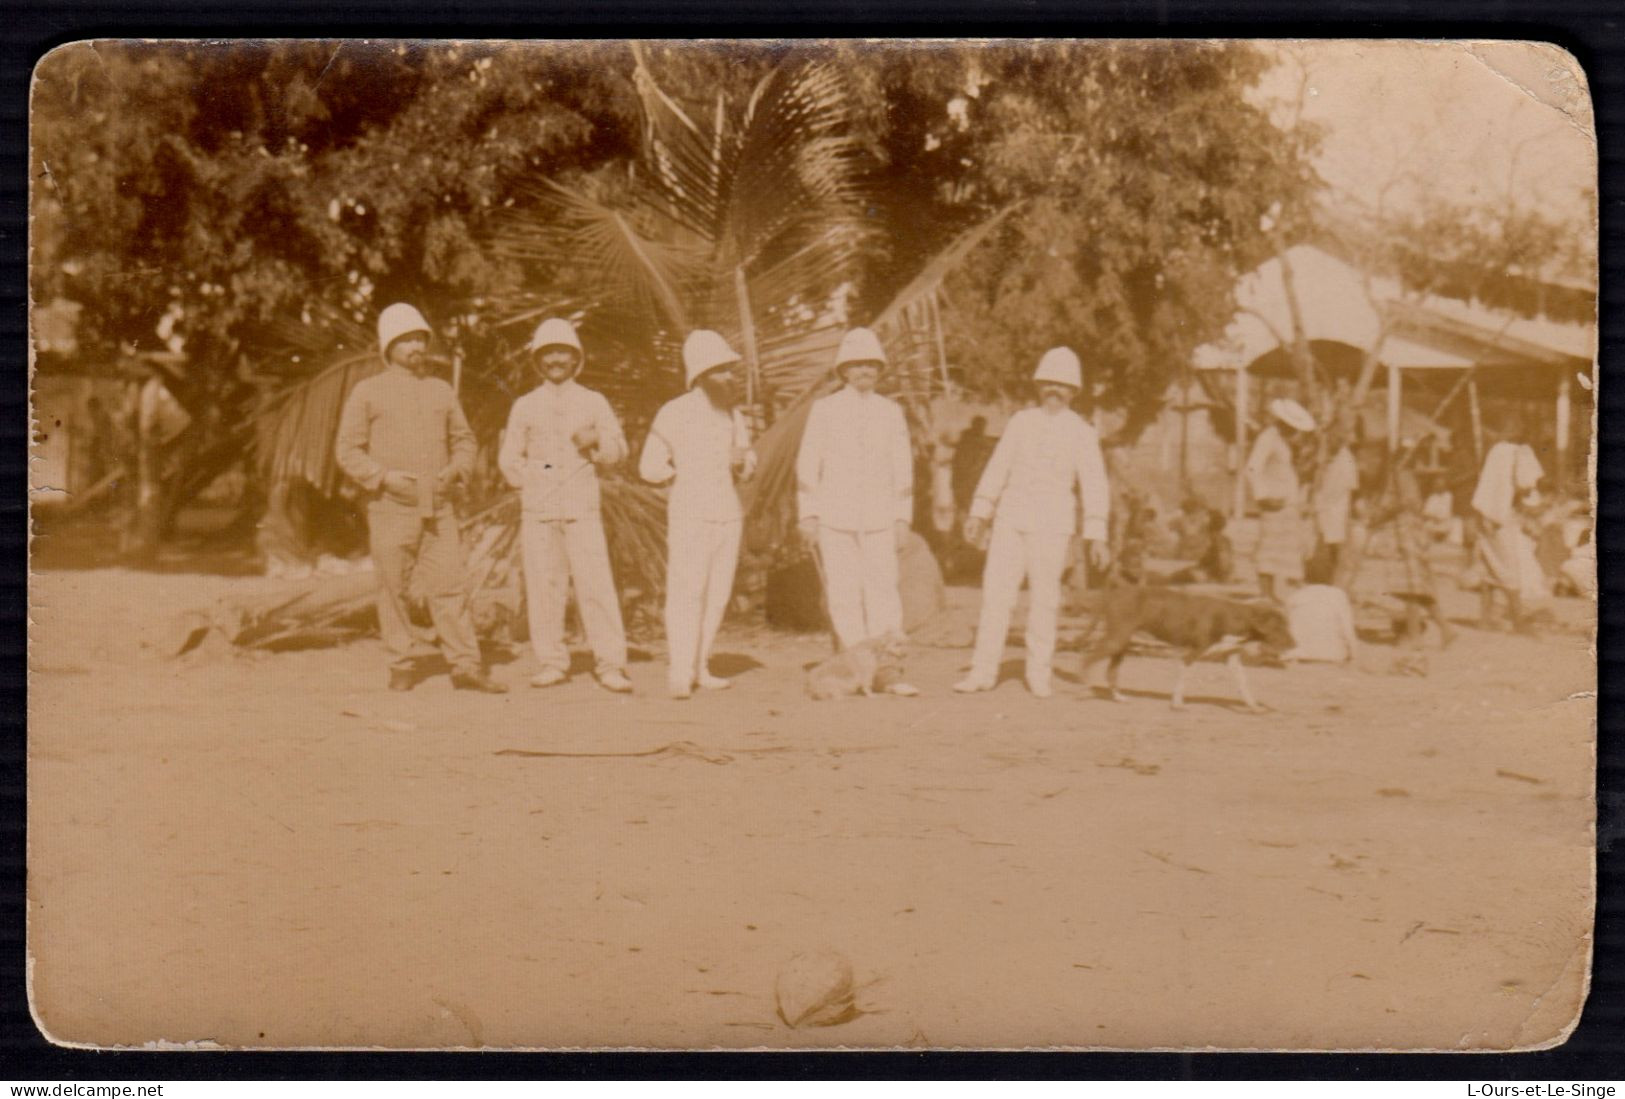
{"x": 971, "y": 685}
{"x": 904, "y": 690}
{"x": 680, "y": 690}
{"x": 709, "y": 682}
{"x": 548, "y": 677}
{"x": 615, "y": 680}
{"x": 1039, "y": 690}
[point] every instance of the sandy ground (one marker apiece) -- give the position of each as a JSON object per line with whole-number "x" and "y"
{"x": 276, "y": 851}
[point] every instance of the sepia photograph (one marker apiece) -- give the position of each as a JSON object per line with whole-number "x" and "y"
{"x": 812, "y": 544}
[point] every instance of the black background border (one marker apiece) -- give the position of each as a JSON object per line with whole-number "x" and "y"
{"x": 1593, "y": 31}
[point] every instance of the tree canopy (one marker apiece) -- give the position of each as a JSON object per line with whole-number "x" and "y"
{"x": 250, "y": 206}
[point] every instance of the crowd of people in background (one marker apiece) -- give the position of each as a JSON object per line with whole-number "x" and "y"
{"x": 1325, "y": 498}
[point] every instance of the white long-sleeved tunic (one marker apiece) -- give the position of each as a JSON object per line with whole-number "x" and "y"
{"x": 855, "y": 469}
{"x": 1044, "y": 465}
{"x": 556, "y": 480}
{"x": 691, "y": 444}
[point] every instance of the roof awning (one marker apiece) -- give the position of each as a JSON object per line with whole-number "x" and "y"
{"x": 1409, "y": 355}
{"x": 1331, "y": 304}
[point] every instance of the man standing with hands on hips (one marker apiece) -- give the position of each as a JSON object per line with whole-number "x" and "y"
{"x": 403, "y": 438}
{"x": 855, "y": 494}
{"x": 558, "y": 435}
{"x": 700, "y": 444}
{"x": 1047, "y": 460}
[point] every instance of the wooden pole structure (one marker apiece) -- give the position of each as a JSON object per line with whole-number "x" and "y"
{"x": 1394, "y": 383}
{"x": 1238, "y": 496}
{"x": 1184, "y": 431}
{"x": 1564, "y": 413}
{"x": 747, "y": 329}
{"x": 1478, "y": 419}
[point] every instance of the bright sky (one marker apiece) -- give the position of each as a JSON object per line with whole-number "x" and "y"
{"x": 1469, "y": 120}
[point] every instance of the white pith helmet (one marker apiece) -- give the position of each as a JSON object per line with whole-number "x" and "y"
{"x": 1292, "y": 414}
{"x": 1061, "y": 366}
{"x": 859, "y": 345}
{"x": 555, "y": 332}
{"x": 399, "y": 320}
{"x": 705, "y": 350}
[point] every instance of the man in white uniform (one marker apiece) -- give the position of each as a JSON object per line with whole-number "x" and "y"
{"x": 1047, "y": 459}
{"x": 855, "y": 494}
{"x": 700, "y": 443}
{"x": 558, "y": 435}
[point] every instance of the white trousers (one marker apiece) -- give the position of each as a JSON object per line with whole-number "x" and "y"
{"x": 701, "y": 555}
{"x": 1012, "y": 556}
{"x": 559, "y": 553}
{"x": 860, "y": 579}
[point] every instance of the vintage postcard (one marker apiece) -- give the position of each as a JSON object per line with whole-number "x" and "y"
{"x": 868, "y": 544}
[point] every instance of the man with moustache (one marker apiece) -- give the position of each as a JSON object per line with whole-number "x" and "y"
{"x": 855, "y": 494}
{"x": 559, "y": 435}
{"x": 403, "y": 438}
{"x": 1046, "y": 462}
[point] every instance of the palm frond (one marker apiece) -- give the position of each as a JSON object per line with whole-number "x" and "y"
{"x": 622, "y": 263}
{"x": 796, "y": 162}
{"x": 682, "y": 159}
{"x": 769, "y": 497}
{"x": 903, "y": 326}
{"x": 635, "y": 528}
{"x": 796, "y": 361}
{"x": 939, "y": 267}
{"x": 798, "y": 286}
{"x": 295, "y": 429}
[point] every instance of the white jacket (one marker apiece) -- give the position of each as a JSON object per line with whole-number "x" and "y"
{"x": 555, "y": 479}
{"x": 1044, "y": 463}
{"x": 855, "y": 469}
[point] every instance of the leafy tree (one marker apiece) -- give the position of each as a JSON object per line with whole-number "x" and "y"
{"x": 252, "y": 207}
{"x": 248, "y": 207}
{"x": 1145, "y": 180}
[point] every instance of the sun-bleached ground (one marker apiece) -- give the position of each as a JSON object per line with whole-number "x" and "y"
{"x": 276, "y": 851}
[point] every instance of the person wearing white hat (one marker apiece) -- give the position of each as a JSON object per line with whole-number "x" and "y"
{"x": 1272, "y": 478}
{"x": 403, "y": 438}
{"x": 559, "y": 435}
{"x": 855, "y": 493}
{"x": 1047, "y": 461}
{"x": 699, "y": 443}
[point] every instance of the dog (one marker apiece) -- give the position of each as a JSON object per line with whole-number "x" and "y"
{"x": 873, "y": 667}
{"x": 1198, "y": 625}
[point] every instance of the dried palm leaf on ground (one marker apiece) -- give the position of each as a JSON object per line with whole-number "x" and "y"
{"x": 333, "y": 609}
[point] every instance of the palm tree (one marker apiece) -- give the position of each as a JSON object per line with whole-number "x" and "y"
{"x": 754, "y": 222}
